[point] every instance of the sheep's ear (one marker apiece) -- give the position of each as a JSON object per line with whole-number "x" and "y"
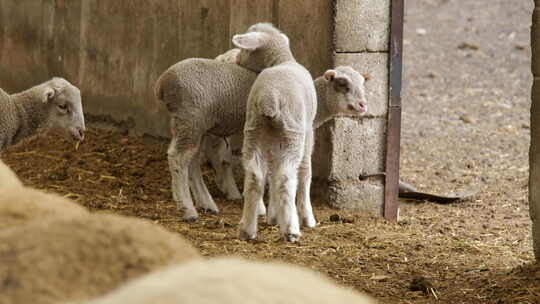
{"x": 367, "y": 77}
{"x": 250, "y": 41}
{"x": 48, "y": 95}
{"x": 330, "y": 75}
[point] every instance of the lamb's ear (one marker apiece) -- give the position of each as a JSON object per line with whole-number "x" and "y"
{"x": 250, "y": 41}
{"x": 330, "y": 75}
{"x": 48, "y": 95}
{"x": 367, "y": 77}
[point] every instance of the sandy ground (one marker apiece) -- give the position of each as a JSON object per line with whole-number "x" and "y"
{"x": 465, "y": 126}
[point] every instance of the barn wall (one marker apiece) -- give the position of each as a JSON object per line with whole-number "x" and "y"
{"x": 534, "y": 155}
{"x": 115, "y": 50}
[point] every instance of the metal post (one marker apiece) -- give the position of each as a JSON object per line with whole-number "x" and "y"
{"x": 534, "y": 152}
{"x": 391, "y": 202}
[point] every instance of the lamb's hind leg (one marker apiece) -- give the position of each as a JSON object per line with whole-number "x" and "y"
{"x": 304, "y": 185}
{"x": 282, "y": 196}
{"x": 180, "y": 158}
{"x": 254, "y": 182}
{"x": 203, "y": 199}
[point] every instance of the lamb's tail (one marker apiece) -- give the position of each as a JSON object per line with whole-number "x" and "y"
{"x": 158, "y": 90}
{"x": 270, "y": 109}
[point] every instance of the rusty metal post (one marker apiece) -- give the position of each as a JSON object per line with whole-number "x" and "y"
{"x": 534, "y": 152}
{"x": 391, "y": 202}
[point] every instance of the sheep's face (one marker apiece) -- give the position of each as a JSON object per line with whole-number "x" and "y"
{"x": 260, "y": 50}
{"x": 66, "y": 112}
{"x": 346, "y": 87}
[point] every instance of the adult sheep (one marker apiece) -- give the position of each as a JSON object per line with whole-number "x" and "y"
{"x": 77, "y": 258}
{"x": 233, "y": 281}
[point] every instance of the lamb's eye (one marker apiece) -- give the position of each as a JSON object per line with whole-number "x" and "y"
{"x": 62, "y": 107}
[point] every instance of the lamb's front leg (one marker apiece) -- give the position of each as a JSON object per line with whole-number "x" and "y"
{"x": 303, "y": 200}
{"x": 179, "y": 162}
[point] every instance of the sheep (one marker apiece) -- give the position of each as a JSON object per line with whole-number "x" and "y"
{"x": 79, "y": 258}
{"x": 52, "y": 105}
{"x": 19, "y": 204}
{"x": 278, "y": 134}
{"x": 8, "y": 179}
{"x": 203, "y": 97}
{"x": 232, "y": 280}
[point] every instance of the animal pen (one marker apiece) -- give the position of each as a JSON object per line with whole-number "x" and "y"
{"x": 116, "y": 50}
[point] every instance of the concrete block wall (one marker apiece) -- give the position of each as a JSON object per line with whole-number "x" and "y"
{"x": 357, "y": 146}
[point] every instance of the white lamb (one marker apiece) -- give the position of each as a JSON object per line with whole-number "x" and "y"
{"x": 233, "y": 281}
{"x": 203, "y": 97}
{"x": 278, "y": 133}
{"x": 55, "y": 104}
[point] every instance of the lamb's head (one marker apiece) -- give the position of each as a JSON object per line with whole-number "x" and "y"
{"x": 345, "y": 91}
{"x": 229, "y": 56}
{"x": 65, "y": 108}
{"x": 261, "y": 47}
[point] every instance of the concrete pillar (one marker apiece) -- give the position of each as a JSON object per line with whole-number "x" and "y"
{"x": 534, "y": 153}
{"x": 346, "y": 147}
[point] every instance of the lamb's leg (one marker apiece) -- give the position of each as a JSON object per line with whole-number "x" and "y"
{"x": 203, "y": 199}
{"x": 304, "y": 185}
{"x": 180, "y": 158}
{"x": 254, "y": 182}
{"x": 282, "y": 196}
{"x": 271, "y": 216}
{"x": 219, "y": 153}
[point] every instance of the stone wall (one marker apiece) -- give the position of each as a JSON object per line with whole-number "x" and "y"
{"x": 357, "y": 146}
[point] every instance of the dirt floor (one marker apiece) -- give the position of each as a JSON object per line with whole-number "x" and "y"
{"x": 465, "y": 126}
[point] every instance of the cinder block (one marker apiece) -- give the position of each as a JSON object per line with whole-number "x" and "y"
{"x": 375, "y": 64}
{"x": 358, "y": 147}
{"x": 321, "y": 156}
{"x": 367, "y": 195}
{"x": 362, "y": 25}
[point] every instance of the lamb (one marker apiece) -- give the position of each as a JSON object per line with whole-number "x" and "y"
{"x": 79, "y": 258}
{"x": 203, "y": 97}
{"x": 278, "y": 133}
{"x": 233, "y": 280}
{"x": 52, "y": 105}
